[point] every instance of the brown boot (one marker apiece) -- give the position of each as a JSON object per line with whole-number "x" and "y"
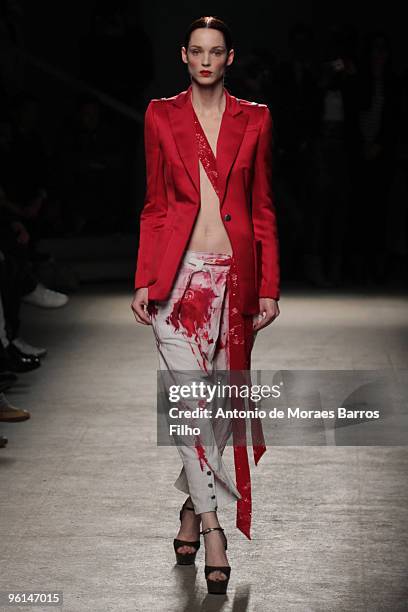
{"x": 11, "y": 414}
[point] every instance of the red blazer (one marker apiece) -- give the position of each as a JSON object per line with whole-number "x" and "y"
{"x": 172, "y": 199}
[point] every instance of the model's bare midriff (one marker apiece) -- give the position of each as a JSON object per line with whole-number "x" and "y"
{"x": 209, "y": 233}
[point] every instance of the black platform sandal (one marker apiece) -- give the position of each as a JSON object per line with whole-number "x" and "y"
{"x": 185, "y": 558}
{"x": 216, "y": 587}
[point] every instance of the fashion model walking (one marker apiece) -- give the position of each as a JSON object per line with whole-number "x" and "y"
{"x": 207, "y": 274}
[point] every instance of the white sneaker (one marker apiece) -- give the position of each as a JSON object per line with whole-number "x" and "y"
{"x": 45, "y": 298}
{"x": 28, "y": 349}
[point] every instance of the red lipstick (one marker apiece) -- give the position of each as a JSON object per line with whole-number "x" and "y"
{"x": 205, "y": 72}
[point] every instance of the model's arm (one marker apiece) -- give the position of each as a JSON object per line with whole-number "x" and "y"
{"x": 265, "y": 226}
{"x": 263, "y": 212}
{"x": 154, "y": 210}
{"x": 152, "y": 218}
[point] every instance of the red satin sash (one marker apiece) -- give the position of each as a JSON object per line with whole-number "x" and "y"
{"x": 241, "y": 339}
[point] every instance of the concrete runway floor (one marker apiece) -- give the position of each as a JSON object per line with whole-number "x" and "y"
{"x": 87, "y": 498}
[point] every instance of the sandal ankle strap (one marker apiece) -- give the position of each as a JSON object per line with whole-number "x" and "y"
{"x": 205, "y": 531}
{"x": 182, "y": 510}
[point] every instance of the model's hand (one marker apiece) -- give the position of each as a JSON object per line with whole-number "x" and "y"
{"x": 141, "y": 300}
{"x": 268, "y": 311}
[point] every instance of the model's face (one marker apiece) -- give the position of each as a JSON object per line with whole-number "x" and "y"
{"x": 207, "y": 52}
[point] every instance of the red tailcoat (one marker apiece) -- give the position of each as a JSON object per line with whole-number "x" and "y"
{"x": 172, "y": 200}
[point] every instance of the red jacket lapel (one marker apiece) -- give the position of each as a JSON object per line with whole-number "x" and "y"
{"x": 234, "y": 121}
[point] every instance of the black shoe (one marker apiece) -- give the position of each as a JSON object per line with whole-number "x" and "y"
{"x": 19, "y": 362}
{"x": 3, "y": 441}
{"x": 7, "y": 376}
{"x": 217, "y": 587}
{"x": 185, "y": 558}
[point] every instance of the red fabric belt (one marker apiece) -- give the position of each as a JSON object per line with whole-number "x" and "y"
{"x": 241, "y": 339}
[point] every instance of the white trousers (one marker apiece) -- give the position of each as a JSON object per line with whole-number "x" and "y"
{"x": 191, "y": 332}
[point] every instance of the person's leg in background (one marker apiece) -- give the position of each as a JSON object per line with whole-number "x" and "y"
{"x": 16, "y": 280}
{"x": 337, "y": 205}
{"x": 315, "y": 215}
{"x": 8, "y": 412}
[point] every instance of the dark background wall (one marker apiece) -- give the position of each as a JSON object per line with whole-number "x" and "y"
{"x": 52, "y": 30}
{"x": 58, "y": 52}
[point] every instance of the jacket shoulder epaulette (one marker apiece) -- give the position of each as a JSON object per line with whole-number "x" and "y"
{"x": 163, "y": 99}
{"x": 250, "y": 103}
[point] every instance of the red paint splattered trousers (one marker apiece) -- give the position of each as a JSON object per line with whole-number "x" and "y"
{"x": 191, "y": 332}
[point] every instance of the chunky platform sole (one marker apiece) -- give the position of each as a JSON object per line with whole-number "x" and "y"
{"x": 185, "y": 558}
{"x": 216, "y": 587}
